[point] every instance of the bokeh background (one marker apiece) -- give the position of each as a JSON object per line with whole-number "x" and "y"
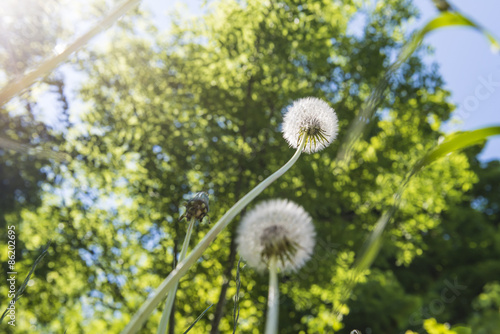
{"x": 99, "y": 155}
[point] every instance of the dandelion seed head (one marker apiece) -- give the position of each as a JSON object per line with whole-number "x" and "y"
{"x": 278, "y": 228}
{"x": 314, "y": 118}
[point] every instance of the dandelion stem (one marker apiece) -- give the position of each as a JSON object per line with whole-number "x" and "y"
{"x": 273, "y": 298}
{"x": 162, "y": 328}
{"x": 150, "y": 304}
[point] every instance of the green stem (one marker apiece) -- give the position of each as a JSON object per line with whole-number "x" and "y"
{"x": 162, "y": 328}
{"x": 273, "y": 298}
{"x": 150, "y": 304}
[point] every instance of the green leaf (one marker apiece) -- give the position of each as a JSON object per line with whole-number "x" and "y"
{"x": 447, "y": 19}
{"x": 451, "y": 144}
{"x": 456, "y": 142}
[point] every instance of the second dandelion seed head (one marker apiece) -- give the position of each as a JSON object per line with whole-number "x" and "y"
{"x": 276, "y": 228}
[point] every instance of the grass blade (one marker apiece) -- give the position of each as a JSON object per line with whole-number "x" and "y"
{"x": 38, "y": 151}
{"x": 198, "y": 319}
{"x": 368, "y": 109}
{"x": 169, "y": 304}
{"x": 372, "y": 245}
{"x": 15, "y": 87}
{"x": 454, "y": 18}
{"x": 456, "y": 142}
{"x": 168, "y": 283}
{"x": 453, "y": 143}
{"x": 22, "y": 288}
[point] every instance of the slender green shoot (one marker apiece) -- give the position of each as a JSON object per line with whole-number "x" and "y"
{"x": 162, "y": 328}
{"x": 369, "y": 107}
{"x": 13, "y": 88}
{"x": 371, "y": 248}
{"x": 22, "y": 288}
{"x": 198, "y": 319}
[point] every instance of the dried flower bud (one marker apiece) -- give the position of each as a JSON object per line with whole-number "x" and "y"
{"x": 197, "y": 207}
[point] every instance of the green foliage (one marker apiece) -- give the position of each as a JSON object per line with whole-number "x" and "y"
{"x": 450, "y": 144}
{"x": 199, "y": 109}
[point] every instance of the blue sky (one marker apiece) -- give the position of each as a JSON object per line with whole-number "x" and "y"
{"x": 471, "y": 71}
{"x": 469, "y": 68}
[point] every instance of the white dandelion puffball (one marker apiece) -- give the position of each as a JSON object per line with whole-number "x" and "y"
{"x": 312, "y": 117}
{"x": 278, "y": 228}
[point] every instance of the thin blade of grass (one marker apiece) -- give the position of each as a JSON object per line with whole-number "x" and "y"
{"x": 455, "y": 18}
{"x": 453, "y": 143}
{"x": 368, "y": 109}
{"x": 38, "y": 151}
{"x": 17, "y": 86}
{"x": 168, "y": 283}
{"x": 456, "y": 142}
{"x": 372, "y": 245}
{"x": 198, "y": 319}
{"x": 22, "y": 288}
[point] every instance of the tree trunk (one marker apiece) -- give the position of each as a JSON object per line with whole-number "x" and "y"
{"x": 219, "y": 310}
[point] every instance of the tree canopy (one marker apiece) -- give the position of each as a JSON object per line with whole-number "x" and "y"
{"x": 199, "y": 108}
